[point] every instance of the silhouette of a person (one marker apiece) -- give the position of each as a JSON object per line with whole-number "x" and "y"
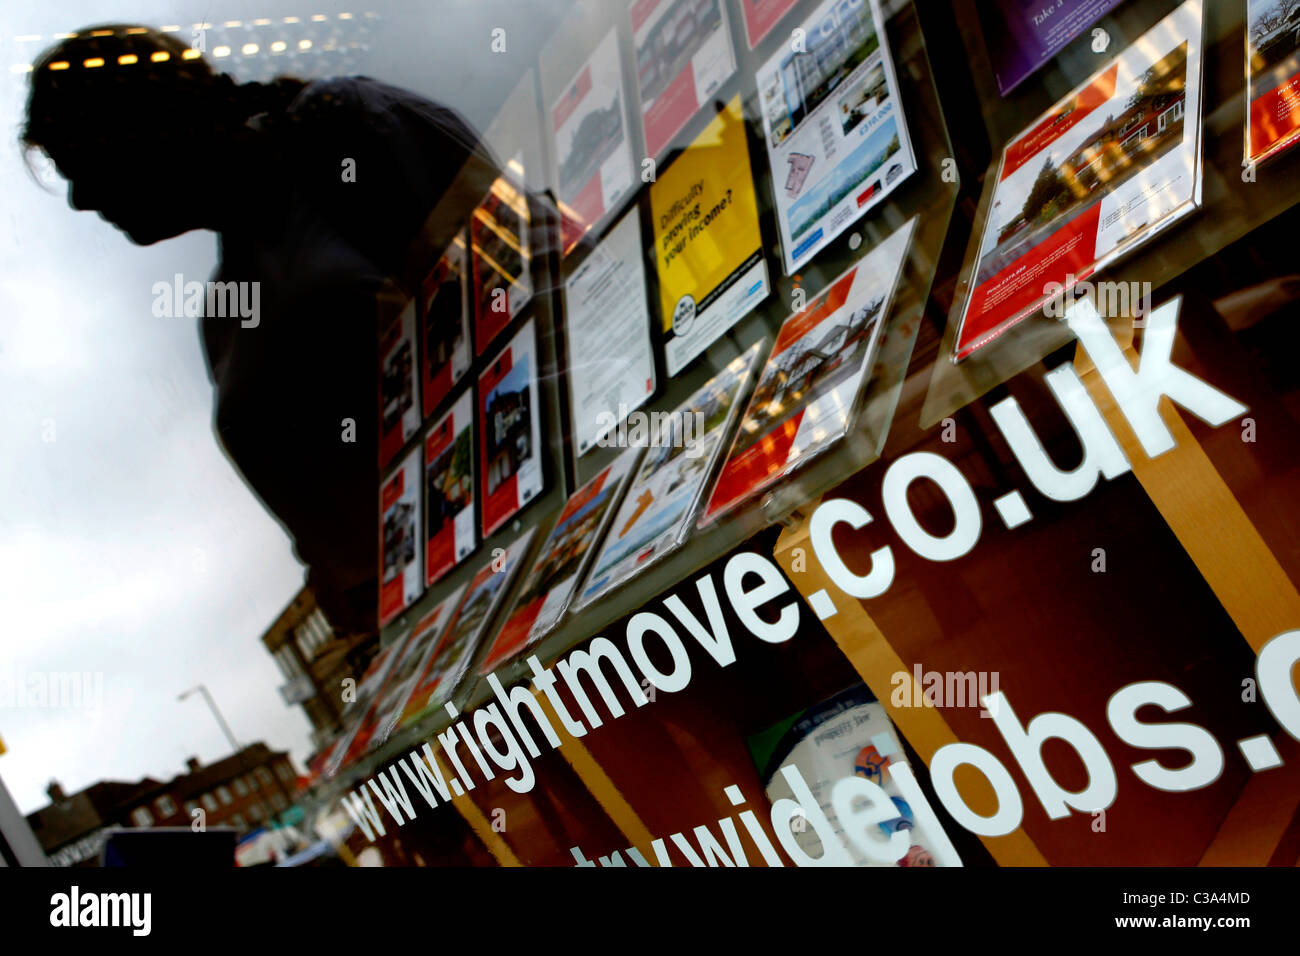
{"x": 153, "y": 139}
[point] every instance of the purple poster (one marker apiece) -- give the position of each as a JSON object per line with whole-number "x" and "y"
{"x": 1022, "y": 35}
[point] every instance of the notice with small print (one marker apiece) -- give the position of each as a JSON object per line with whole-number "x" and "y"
{"x": 399, "y": 409}
{"x": 683, "y": 55}
{"x": 605, "y": 301}
{"x": 444, "y": 325}
{"x": 806, "y": 395}
{"x": 558, "y": 569}
{"x": 449, "y": 531}
{"x": 510, "y": 433}
{"x": 400, "y": 582}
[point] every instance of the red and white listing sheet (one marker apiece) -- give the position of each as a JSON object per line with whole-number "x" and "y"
{"x": 449, "y": 532}
{"x": 399, "y": 407}
{"x": 593, "y": 152}
{"x": 400, "y": 582}
{"x": 447, "y": 664}
{"x": 500, "y": 260}
{"x": 805, "y": 398}
{"x": 1106, "y": 169}
{"x": 564, "y": 556}
{"x": 444, "y": 325}
{"x": 683, "y": 55}
{"x": 761, "y": 16}
{"x": 1272, "y": 77}
{"x": 405, "y": 675}
{"x": 510, "y": 434}
{"x": 357, "y": 717}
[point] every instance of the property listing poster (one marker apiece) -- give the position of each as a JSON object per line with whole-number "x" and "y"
{"x": 380, "y": 718}
{"x": 836, "y": 137}
{"x": 448, "y": 662}
{"x": 593, "y": 152}
{"x": 761, "y": 16}
{"x": 1104, "y": 170}
{"x": 683, "y": 55}
{"x": 1022, "y": 35}
{"x": 1272, "y": 76}
{"x": 406, "y": 671}
{"x": 399, "y": 409}
{"x": 499, "y": 256}
{"x": 822, "y": 359}
{"x": 558, "y": 569}
{"x": 510, "y": 433}
{"x": 400, "y": 582}
{"x": 683, "y": 449}
{"x": 605, "y": 305}
{"x": 849, "y": 734}
{"x": 357, "y": 713}
{"x": 444, "y": 325}
{"x": 449, "y": 532}
{"x": 707, "y": 244}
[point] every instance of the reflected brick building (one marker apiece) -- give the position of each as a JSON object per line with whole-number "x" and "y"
{"x": 243, "y": 791}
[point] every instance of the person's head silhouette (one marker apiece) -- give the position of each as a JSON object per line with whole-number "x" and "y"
{"x": 146, "y": 132}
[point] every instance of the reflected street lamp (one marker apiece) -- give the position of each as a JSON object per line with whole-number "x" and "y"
{"x": 212, "y": 705}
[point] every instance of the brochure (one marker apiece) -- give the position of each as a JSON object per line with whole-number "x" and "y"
{"x": 833, "y": 121}
{"x": 1105, "y": 170}
{"x": 806, "y": 396}
{"x": 683, "y": 450}
{"x": 593, "y": 152}
{"x": 449, "y": 661}
{"x": 558, "y": 569}
{"x": 605, "y": 303}
{"x": 444, "y": 325}
{"x": 449, "y": 531}
{"x": 683, "y": 55}
{"x": 400, "y": 582}
{"x": 510, "y": 435}
{"x": 837, "y": 738}
{"x": 1272, "y": 77}
{"x": 499, "y": 256}
{"x": 708, "y": 247}
{"x": 399, "y": 409}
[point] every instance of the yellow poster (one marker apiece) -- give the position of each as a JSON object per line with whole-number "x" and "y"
{"x": 707, "y": 245}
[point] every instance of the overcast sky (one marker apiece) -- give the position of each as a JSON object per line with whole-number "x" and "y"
{"x": 128, "y": 544}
